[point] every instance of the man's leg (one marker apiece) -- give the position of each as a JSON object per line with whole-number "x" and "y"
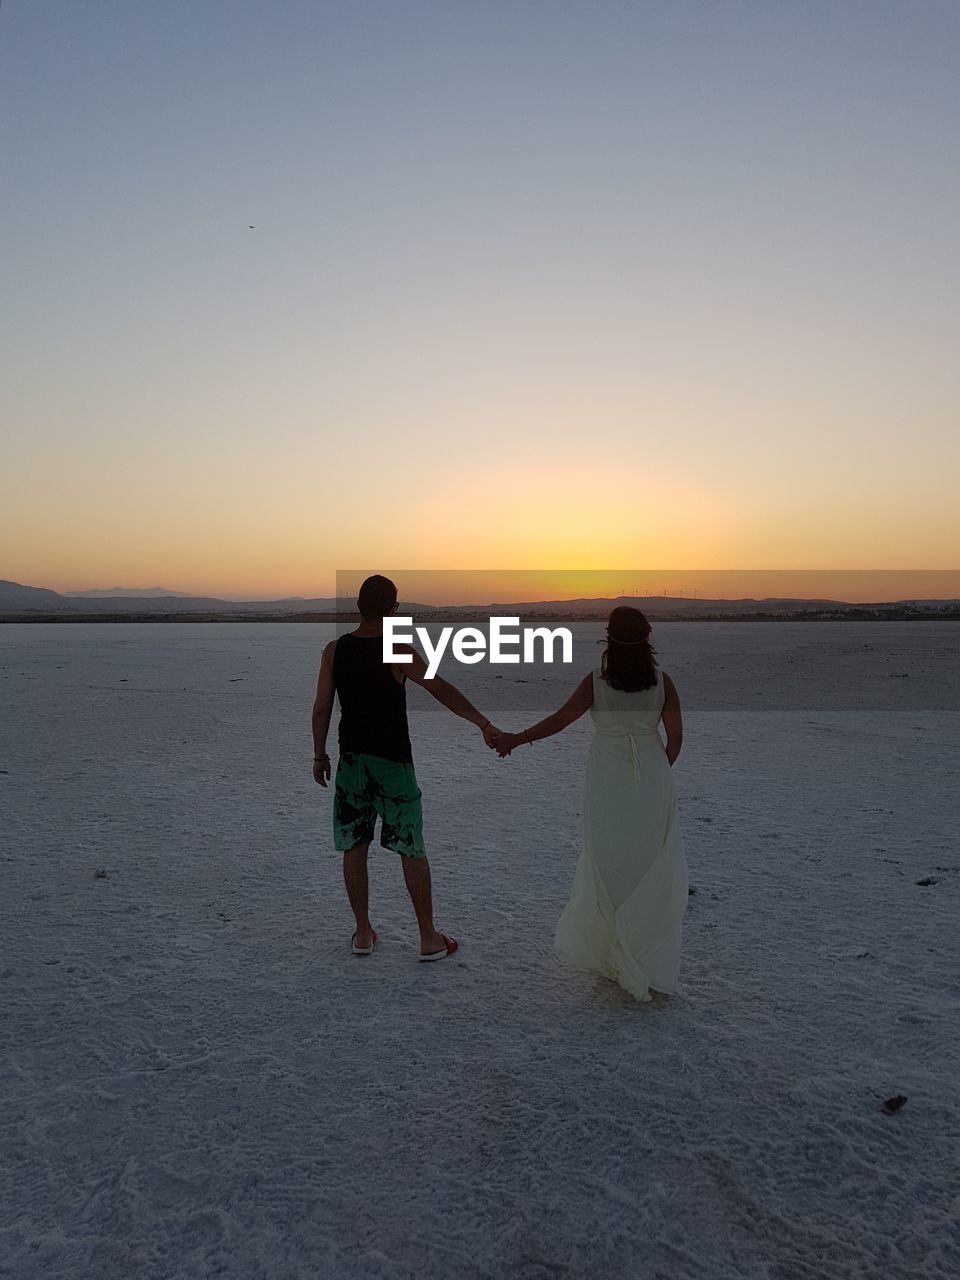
{"x": 354, "y": 814}
{"x": 416, "y": 876}
{"x": 402, "y": 831}
{"x": 355, "y": 878}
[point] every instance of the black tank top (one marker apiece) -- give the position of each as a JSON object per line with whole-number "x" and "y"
{"x": 373, "y": 703}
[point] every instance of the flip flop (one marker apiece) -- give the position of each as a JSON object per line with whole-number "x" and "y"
{"x": 451, "y": 946}
{"x": 362, "y": 951}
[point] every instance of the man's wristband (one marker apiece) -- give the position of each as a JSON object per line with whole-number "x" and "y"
{"x": 481, "y": 727}
{"x": 320, "y": 759}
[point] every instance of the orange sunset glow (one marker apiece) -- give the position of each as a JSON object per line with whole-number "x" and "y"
{"x": 290, "y": 536}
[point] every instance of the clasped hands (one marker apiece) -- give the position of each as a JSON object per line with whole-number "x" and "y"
{"x": 499, "y": 740}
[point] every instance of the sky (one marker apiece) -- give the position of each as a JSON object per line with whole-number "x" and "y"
{"x": 567, "y": 284}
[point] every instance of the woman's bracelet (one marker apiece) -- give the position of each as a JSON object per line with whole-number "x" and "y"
{"x": 484, "y": 725}
{"x": 526, "y": 735}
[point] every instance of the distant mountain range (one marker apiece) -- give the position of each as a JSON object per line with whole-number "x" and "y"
{"x": 17, "y": 598}
{"x": 101, "y": 593}
{"x": 24, "y": 602}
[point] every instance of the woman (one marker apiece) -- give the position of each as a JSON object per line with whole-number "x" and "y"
{"x": 625, "y": 914}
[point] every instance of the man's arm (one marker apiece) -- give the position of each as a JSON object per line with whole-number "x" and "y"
{"x": 322, "y": 710}
{"x": 445, "y": 693}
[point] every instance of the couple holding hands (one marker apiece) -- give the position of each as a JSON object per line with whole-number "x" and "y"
{"x": 625, "y": 913}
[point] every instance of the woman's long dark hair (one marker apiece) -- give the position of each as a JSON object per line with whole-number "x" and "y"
{"x": 629, "y": 660}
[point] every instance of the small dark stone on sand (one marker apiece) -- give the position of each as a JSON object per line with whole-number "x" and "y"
{"x": 100, "y": 874}
{"x": 890, "y": 1105}
{"x": 927, "y": 880}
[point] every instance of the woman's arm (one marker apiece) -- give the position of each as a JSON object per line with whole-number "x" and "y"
{"x": 579, "y": 702}
{"x": 672, "y": 719}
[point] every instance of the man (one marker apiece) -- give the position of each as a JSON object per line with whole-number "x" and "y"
{"x": 375, "y": 774}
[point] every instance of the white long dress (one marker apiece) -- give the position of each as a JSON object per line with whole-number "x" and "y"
{"x": 624, "y": 919}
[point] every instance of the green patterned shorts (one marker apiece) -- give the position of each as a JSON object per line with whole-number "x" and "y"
{"x": 368, "y": 787}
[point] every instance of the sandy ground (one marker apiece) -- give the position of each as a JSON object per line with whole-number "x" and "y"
{"x": 198, "y": 1079}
